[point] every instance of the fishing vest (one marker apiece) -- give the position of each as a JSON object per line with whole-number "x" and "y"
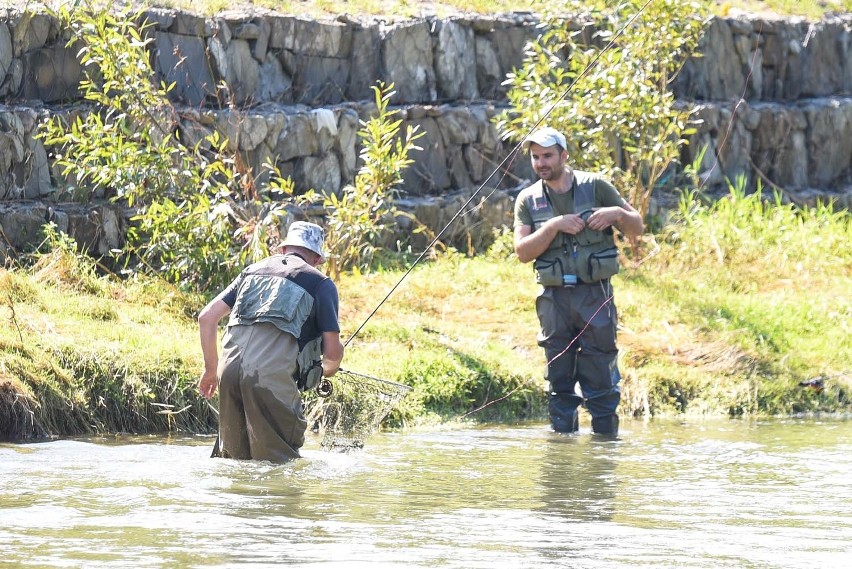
{"x": 266, "y": 294}
{"x": 587, "y": 257}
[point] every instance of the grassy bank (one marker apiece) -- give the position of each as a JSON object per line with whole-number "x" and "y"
{"x": 80, "y": 352}
{"x": 730, "y": 308}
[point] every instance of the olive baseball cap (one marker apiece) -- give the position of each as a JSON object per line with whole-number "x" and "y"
{"x": 305, "y": 234}
{"x": 545, "y": 137}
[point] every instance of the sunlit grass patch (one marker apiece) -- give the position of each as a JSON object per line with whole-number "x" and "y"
{"x": 700, "y": 332}
{"x": 16, "y": 288}
{"x": 78, "y": 356}
{"x": 768, "y": 278}
{"x": 455, "y": 324}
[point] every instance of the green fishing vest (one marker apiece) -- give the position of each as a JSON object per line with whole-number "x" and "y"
{"x": 269, "y": 296}
{"x": 589, "y": 256}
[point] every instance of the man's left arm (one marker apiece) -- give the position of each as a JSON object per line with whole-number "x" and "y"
{"x": 625, "y": 218}
{"x": 615, "y": 212}
{"x": 327, "y": 319}
{"x": 332, "y": 353}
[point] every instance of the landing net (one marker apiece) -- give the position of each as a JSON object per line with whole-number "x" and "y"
{"x": 355, "y": 409}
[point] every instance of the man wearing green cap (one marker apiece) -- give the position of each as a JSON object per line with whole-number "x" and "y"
{"x": 282, "y": 337}
{"x": 564, "y": 223}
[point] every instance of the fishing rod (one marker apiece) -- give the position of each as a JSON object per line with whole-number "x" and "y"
{"x": 504, "y": 163}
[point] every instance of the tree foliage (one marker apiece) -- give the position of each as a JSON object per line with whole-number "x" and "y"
{"x": 601, "y": 77}
{"x": 200, "y": 215}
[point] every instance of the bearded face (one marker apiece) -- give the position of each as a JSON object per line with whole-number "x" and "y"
{"x": 548, "y": 162}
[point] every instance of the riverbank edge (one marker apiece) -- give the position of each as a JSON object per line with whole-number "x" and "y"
{"x": 87, "y": 354}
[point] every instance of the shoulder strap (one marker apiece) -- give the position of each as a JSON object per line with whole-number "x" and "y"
{"x": 584, "y": 192}
{"x": 536, "y": 198}
{"x": 583, "y": 195}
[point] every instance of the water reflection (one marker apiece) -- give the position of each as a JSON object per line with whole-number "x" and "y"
{"x": 578, "y": 477}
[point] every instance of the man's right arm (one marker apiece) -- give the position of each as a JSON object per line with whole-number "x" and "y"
{"x": 530, "y": 244}
{"x": 208, "y": 327}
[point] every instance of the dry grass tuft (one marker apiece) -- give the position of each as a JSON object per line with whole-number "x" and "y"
{"x": 714, "y": 357}
{"x": 17, "y": 419}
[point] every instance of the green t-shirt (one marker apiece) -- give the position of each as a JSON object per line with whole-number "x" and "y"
{"x": 605, "y": 196}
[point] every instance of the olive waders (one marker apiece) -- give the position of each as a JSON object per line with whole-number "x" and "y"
{"x": 260, "y": 411}
{"x": 574, "y": 307}
{"x": 579, "y": 340}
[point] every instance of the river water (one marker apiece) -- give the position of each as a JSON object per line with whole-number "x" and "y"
{"x": 775, "y": 493}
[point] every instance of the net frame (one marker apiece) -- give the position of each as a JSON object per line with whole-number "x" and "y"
{"x": 356, "y": 408}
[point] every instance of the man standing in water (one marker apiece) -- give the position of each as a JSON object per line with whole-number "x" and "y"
{"x": 282, "y": 337}
{"x": 564, "y": 223}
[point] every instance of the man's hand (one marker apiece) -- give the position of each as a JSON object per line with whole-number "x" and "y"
{"x": 207, "y": 384}
{"x": 626, "y": 219}
{"x": 569, "y": 223}
{"x": 604, "y": 217}
{"x": 530, "y": 244}
{"x": 329, "y": 368}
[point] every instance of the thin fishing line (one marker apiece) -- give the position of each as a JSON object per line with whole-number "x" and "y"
{"x": 505, "y": 162}
{"x": 553, "y": 359}
{"x": 580, "y": 333}
{"x": 429, "y": 247}
{"x": 730, "y": 126}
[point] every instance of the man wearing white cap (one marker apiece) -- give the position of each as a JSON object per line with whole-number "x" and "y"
{"x": 564, "y": 223}
{"x": 282, "y": 337}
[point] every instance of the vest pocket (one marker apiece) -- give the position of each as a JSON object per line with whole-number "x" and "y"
{"x": 603, "y": 264}
{"x": 548, "y": 272}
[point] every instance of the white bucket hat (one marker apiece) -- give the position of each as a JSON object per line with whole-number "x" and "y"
{"x": 305, "y": 234}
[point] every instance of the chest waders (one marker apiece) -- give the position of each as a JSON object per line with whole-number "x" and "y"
{"x": 576, "y": 297}
{"x": 263, "y": 367}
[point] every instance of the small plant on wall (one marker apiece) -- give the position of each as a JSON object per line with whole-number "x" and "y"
{"x": 358, "y": 222}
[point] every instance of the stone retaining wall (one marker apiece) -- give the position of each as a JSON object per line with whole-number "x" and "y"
{"x": 267, "y": 58}
{"x": 774, "y": 96}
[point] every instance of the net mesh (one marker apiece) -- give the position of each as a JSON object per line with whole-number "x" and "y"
{"x": 355, "y": 409}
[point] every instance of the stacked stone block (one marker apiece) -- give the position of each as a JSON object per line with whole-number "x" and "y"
{"x": 773, "y": 97}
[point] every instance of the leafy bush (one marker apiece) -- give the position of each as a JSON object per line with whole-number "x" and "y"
{"x": 602, "y": 80}
{"x": 200, "y": 214}
{"x": 358, "y": 222}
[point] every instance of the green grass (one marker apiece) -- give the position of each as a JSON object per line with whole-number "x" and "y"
{"x": 461, "y": 331}
{"x": 84, "y": 353}
{"x": 731, "y": 306}
{"x": 766, "y": 287}
{"x": 737, "y": 304}
{"x": 813, "y": 9}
